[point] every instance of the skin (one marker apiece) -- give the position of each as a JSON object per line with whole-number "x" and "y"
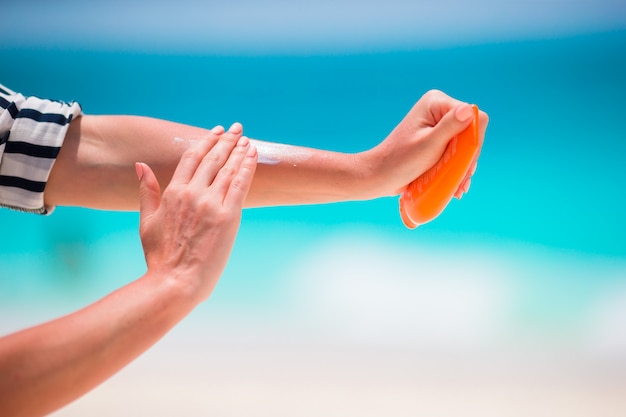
{"x": 95, "y": 166}
{"x": 188, "y": 230}
{"x": 48, "y": 366}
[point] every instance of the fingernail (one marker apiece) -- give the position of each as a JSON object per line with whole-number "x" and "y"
{"x": 243, "y": 141}
{"x": 464, "y": 112}
{"x": 252, "y": 151}
{"x": 139, "y": 170}
{"x": 218, "y": 130}
{"x": 473, "y": 171}
{"x": 466, "y": 185}
{"x": 236, "y": 128}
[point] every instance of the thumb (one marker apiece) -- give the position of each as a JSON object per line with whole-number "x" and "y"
{"x": 149, "y": 191}
{"x": 453, "y": 122}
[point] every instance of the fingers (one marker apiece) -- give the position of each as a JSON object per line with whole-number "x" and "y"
{"x": 225, "y": 168}
{"x": 464, "y": 187}
{"x": 224, "y": 177}
{"x": 216, "y": 159}
{"x": 483, "y": 120}
{"x": 192, "y": 157}
{"x": 218, "y": 130}
{"x": 149, "y": 191}
{"x": 232, "y": 181}
{"x": 453, "y": 122}
{"x": 240, "y": 184}
{"x": 434, "y": 105}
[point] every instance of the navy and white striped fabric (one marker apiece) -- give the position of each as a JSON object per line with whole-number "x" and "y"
{"x": 31, "y": 134}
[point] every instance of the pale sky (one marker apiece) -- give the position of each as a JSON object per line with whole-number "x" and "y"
{"x": 247, "y": 26}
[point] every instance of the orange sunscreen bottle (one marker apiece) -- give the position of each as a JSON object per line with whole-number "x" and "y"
{"x": 427, "y": 196}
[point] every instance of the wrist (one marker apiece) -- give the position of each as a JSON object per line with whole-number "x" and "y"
{"x": 175, "y": 288}
{"x": 374, "y": 184}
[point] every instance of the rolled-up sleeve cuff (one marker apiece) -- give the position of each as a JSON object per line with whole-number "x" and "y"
{"x": 32, "y": 131}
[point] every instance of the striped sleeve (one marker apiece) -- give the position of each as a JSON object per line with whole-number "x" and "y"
{"x": 32, "y": 131}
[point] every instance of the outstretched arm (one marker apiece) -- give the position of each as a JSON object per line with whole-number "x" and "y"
{"x": 95, "y": 165}
{"x": 187, "y": 235}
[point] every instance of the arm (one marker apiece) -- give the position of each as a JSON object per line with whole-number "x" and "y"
{"x": 46, "y": 367}
{"x": 95, "y": 165}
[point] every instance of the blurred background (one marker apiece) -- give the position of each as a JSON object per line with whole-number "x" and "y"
{"x": 513, "y": 302}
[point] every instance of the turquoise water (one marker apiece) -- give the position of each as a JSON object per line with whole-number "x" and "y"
{"x": 551, "y": 173}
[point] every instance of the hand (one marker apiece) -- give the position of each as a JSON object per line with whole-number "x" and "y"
{"x": 189, "y": 231}
{"x": 418, "y": 142}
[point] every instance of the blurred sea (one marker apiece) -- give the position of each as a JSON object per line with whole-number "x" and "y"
{"x": 532, "y": 260}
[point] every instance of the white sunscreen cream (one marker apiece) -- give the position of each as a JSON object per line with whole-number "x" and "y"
{"x": 275, "y": 153}
{"x": 269, "y": 153}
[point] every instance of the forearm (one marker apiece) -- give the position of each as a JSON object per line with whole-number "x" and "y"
{"x": 95, "y": 167}
{"x": 293, "y": 175}
{"x": 187, "y": 233}
{"x": 46, "y": 367}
